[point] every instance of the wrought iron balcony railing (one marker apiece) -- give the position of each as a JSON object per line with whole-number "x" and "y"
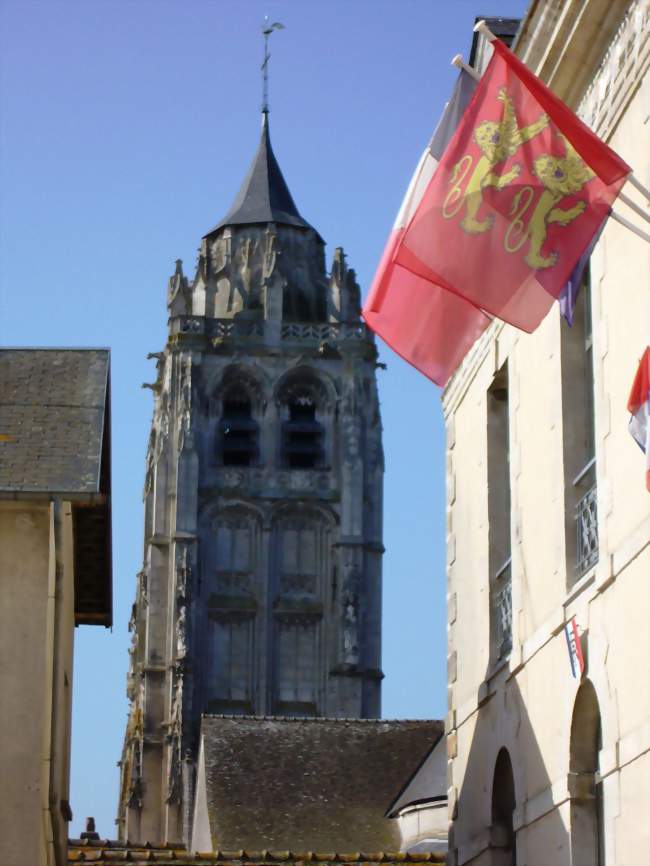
{"x": 502, "y": 610}
{"x": 587, "y": 532}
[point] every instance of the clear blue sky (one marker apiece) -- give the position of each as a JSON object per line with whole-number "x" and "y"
{"x": 125, "y": 130}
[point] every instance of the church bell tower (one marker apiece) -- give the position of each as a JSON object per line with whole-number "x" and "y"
{"x": 260, "y": 592}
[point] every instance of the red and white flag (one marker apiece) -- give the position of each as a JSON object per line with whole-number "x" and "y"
{"x": 518, "y": 195}
{"x": 639, "y": 407}
{"x": 427, "y": 325}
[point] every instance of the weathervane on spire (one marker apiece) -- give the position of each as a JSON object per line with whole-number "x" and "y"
{"x": 267, "y": 29}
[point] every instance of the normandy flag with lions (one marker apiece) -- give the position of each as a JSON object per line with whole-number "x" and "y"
{"x": 519, "y": 192}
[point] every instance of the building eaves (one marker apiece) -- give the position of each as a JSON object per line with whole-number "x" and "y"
{"x": 504, "y": 29}
{"x": 102, "y": 852}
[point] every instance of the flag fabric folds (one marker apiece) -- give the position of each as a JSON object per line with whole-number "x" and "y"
{"x": 427, "y": 325}
{"x": 569, "y": 294}
{"x": 519, "y": 193}
{"x": 639, "y": 407}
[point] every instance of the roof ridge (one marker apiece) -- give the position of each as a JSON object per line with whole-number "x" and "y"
{"x": 341, "y": 719}
{"x": 55, "y": 349}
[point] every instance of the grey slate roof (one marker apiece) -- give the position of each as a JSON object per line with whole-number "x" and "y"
{"x": 309, "y": 784}
{"x": 52, "y": 412}
{"x": 264, "y": 195}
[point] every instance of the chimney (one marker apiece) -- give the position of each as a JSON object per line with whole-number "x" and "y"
{"x": 90, "y": 833}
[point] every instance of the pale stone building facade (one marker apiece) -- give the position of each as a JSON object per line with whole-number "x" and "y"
{"x": 55, "y": 572}
{"x": 548, "y": 519}
{"x": 260, "y": 591}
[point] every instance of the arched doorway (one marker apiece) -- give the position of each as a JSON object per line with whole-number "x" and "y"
{"x": 585, "y": 788}
{"x": 503, "y": 843}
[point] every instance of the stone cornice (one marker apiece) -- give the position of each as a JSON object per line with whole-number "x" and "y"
{"x": 626, "y": 60}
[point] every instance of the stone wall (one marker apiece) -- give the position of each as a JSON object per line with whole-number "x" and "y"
{"x": 36, "y": 648}
{"x": 561, "y": 762}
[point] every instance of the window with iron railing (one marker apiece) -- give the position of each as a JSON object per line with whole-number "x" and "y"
{"x": 499, "y": 502}
{"x": 501, "y": 598}
{"x": 580, "y": 495}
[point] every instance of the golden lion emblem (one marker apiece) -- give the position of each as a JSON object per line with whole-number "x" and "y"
{"x": 497, "y": 140}
{"x": 560, "y": 177}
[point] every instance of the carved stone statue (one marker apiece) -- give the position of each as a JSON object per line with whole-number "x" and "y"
{"x": 183, "y": 571}
{"x": 185, "y": 413}
{"x": 174, "y": 773}
{"x": 181, "y": 633}
{"x": 350, "y": 603}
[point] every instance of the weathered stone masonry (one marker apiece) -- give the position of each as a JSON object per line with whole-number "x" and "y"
{"x": 260, "y": 591}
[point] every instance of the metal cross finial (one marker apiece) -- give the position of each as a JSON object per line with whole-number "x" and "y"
{"x": 267, "y": 29}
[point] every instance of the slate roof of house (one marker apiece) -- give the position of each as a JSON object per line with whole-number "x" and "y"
{"x": 309, "y": 784}
{"x": 53, "y": 406}
{"x": 102, "y": 853}
{"x": 264, "y": 195}
{"x": 55, "y": 443}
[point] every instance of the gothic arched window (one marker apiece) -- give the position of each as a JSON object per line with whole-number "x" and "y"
{"x": 300, "y": 545}
{"x": 230, "y": 563}
{"x": 239, "y": 431}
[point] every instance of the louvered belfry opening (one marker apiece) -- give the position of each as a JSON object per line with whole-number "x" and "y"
{"x": 239, "y": 431}
{"x": 303, "y": 435}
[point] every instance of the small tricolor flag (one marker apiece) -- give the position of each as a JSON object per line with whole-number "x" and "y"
{"x": 575, "y": 649}
{"x": 639, "y": 407}
{"x": 517, "y": 197}
{"x": 428, "y": 326}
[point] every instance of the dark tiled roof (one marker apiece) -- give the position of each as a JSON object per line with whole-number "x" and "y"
{"x": 264, "y": 195}
{"x": 52, "y": 410}
{"x": 309, "y": 784}
{"x": 102, "y": 853}
{"x": 55, "y": 441}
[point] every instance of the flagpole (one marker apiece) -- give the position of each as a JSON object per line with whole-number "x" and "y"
{"x": 638, "y": 185}
{"x": 482, "y": 28}
{"x": 628, "y": 225}
{"x": 635, "y": 207}
{"x": 459, "y": 63}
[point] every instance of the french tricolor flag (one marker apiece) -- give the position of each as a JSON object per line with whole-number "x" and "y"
{"x": 575, "y": 648}
{"x": 639, "y": 407}
{"x": 429, "y": 327}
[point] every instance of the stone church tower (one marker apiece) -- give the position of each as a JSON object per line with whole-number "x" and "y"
{"x": 260, "y": 591}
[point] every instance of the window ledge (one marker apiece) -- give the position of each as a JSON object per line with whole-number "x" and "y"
{"x": 496, "y": 667}
{"x": 580, "y": 585}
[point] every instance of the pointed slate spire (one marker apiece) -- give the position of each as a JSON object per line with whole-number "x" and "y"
{"x": 264, "y": 195}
